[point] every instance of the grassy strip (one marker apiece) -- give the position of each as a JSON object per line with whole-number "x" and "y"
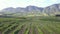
{"x": 26, "y": 31}
{"x": 40, "y": 31}
{"x": 8, "y": 28}
{"x": 17, "y": 29}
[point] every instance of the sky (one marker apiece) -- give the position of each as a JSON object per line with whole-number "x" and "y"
{"x": 24, "y": 3}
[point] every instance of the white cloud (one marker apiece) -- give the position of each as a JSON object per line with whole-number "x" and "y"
{"x": 39, "y": 1}
{"x": 24, "y": 3}
{"x": 54, "y": 0}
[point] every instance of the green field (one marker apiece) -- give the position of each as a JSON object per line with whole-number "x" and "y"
{"x": 30, "y": 25}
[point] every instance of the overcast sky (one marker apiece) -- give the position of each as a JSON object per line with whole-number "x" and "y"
{"x": 24, "y": 3}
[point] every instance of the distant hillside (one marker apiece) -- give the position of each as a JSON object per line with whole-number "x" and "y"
{"x": 31, "y": 10}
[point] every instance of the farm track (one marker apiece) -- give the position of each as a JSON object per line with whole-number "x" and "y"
{"x": 30, "y": 31}
{"x": 0, "y": 32}
{"x": 35, "y": 30}
{"x": 22, "y": 29}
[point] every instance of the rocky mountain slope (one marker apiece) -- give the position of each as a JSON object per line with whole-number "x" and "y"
{"x": 31, "y": 10}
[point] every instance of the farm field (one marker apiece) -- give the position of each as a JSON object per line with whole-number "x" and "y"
{"x": 30, "y": 25}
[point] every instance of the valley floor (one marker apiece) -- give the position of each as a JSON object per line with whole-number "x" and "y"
{"x": 30, "y": 25}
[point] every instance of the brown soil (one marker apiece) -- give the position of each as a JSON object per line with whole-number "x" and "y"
{"x": 0, "y": 32}
{"x": 22, "y": 30}
{"x": 45, "y": 31}
{"x": 35, "y": 31}
{"x": 30, "y": 31}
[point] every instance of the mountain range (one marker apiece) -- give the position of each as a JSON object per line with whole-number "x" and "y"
{"x": 32, "y": 11}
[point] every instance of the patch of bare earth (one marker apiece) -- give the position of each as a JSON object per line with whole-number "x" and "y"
{"x": 45, "y": 31}
{"x": 22, "y": 29}
{"x": 30, "y": 31}
{"x": 0, "y": 32}
{"x": 35, "y": 31}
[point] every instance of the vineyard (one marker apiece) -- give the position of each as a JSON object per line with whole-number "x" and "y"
{"x": 30, "y": 25}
